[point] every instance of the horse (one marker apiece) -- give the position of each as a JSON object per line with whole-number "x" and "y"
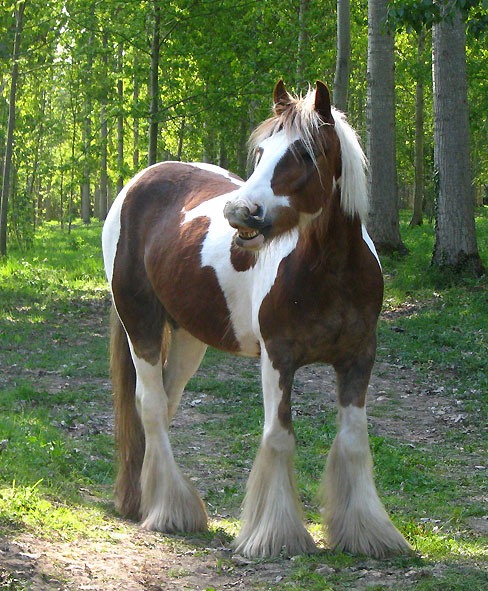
{"x": 278, "y": 267}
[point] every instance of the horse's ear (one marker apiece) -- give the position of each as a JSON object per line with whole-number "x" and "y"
{"x": 322, "y": 102}
{"x": 281, "y": 98}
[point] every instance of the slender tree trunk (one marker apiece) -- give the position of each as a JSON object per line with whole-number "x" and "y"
{"x": 120, "y": 119}
{"x": 154, "y": 87}
{"x": 96, "y": 200}
{"x": 39, "y": 138}
{"x": 73, "y": 141}
{"x": 85, "y": 185}
{"x": 341, "y": 79}
{"x": 455, "y": 244}
{"x": 19, "y": 14}
{"x": 418, "y": 197}
{"x": 302, "y": 40}
{"x": 222, "y": 151}
{"x": 135, "y": 100}
{"x": 242, "y": 154}
{"x": 102, "y": 212}
{"x": 86, "y": 138}
{"x": 61, "y": 194}
{"x": 383, "y": 222}
{"x": 209, "y": 154}
{"x": 181, "y": 137}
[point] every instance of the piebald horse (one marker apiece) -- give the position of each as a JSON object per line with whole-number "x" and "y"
{"x": 279, "y": 267}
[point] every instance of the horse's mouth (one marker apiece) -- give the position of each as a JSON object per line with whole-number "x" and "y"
{"x": 250, "y": 239}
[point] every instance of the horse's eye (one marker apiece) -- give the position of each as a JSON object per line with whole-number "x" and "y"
{"x": 259, "y": 153}
{"x": 305, "y": 154}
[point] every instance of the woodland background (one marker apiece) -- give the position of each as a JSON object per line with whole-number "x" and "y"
{"x": 93, "y": 78}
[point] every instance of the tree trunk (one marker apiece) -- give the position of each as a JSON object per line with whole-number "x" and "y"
{"x": 209, "y": 152}
{"x": 86, "y": 138}
{"x": 72, "y": 163}
{"x": 102, "y": 212}
{"x": 39, "y": 140}
{"x": 181, "y": 137}
{"x": 96, "y": 200}
{"x": 418, "y": 197}
{"x": 61, "y": 194}
{"x": 383, "y": 222}
{"x": 154, "y": 87}
{"x": 242, "y": 153}
{"x": 120, "y": 120}
{"x": 455, "y": 244}
{"x": 341, "y": 79}
{"x": 85, "y": 185}
{"x": 19, "y": 14}
{"x": 223, "y": 161}
{"x": 302, "y": 40}
{"x": 135, "y": 100}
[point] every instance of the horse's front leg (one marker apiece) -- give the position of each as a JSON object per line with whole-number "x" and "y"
{"x": 271, "y": 513}
{"x": 355, "y": 518}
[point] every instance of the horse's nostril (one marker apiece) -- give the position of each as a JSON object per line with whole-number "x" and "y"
{"x": 258, "y": 212}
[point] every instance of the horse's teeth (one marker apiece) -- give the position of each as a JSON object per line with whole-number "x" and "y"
{"x": 248, "y": 234}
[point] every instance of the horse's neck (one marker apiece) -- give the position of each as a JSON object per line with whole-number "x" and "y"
{"x": 333, "y": 237}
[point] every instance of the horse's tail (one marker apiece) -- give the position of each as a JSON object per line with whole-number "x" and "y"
{"x": 129, "y": 433}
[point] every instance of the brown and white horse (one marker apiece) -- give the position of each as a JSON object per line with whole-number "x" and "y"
{"x": 278, "y": 267}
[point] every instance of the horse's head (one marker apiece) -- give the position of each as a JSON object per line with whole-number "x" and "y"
{"x": 299, "y": 165}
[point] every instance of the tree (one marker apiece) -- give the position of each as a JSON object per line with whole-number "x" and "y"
{"x": 154, "y": 87}
{"x": 303, "y": 8}
{"x": 455, "y": 235}
{"x": 383, "y": 220}
{"x": 7, "y": 167}
{"x": 341, "y": 78}
{"x": 419, "y": 136}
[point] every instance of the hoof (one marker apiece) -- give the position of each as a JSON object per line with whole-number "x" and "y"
{"x": 181, "y": 511}
{"x": 380, "y": 539}
{"x": 271, "y": 544}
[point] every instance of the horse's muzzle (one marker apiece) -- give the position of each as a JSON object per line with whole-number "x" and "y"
{"x": 239, "y": 215}
{"x": 251, "y": 227}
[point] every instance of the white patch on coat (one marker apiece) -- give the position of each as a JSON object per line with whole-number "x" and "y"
{"x": 371, "y": 246}
{"x": 244, "y": 291}
{"x": 257, "y": 191}
{"x": 216, "y": 170}
{"x": 111, "y": 227}
{"x": 274, "y": 434}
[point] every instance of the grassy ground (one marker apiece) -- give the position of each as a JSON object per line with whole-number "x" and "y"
{"x": 56, "y": 469}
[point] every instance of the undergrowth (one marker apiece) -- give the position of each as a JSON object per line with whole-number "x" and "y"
{"x": 56, "y": 459}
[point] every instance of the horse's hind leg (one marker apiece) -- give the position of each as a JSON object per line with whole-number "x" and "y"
{"x": 184, "y": 358}
{"x": 169, "y": 502}
{"x": 354, "y": 515}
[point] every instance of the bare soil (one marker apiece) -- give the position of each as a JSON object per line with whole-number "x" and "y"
{"x": 402, "y": 405}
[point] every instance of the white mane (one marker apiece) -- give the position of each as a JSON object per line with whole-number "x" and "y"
{"x": 354, "y": 193}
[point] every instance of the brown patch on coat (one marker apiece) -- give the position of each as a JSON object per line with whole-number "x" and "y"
{"x": 157, "y": 270}
{"x": 241, "y": 259}
{"x": 324, "y": 304}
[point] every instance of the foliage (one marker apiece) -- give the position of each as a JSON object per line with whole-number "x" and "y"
{"x": 218, "y": 64}
{"x": 416, "y": 14}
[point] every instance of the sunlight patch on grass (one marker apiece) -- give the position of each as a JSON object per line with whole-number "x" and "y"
{"x": 24, "y": 507}
{"x": 230, "y": 527}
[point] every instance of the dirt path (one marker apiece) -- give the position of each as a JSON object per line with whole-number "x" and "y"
{"x": 139, "y": 560}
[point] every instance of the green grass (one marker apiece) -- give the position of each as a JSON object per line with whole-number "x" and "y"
{"x": 435, "y": 323}
{"x": 56, "y": 459}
